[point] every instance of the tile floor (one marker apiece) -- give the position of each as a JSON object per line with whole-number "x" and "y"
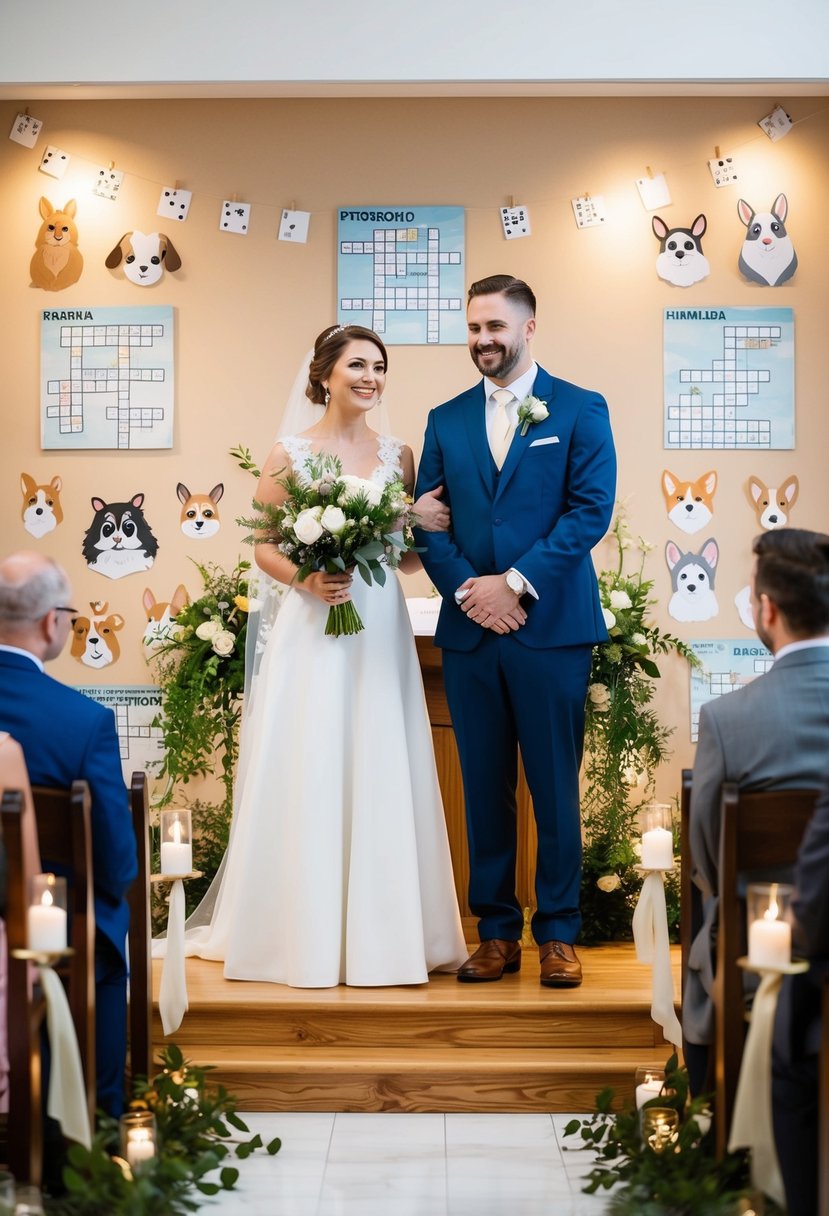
{"x": 411, "y": 1165}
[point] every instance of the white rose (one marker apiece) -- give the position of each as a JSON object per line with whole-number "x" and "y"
{"x": 609, "y": 618}
{"x": 355, "y": 486}
{"x": 599, "y": 696}
{"x": 307, "y": 526}
{"x": 224, "y": 642}
{"x": 333, "y": 520}
{"x": 208, "y": 630}
{"x": 620, "y": 599}
{"x": 638, "y": 639}
{"x": 539, "y": 411}
{"x": 608, "y": 882}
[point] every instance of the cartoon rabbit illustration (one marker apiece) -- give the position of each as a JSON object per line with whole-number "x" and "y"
{"x": 57, "y": 261}
{"x": 767, "y": 256}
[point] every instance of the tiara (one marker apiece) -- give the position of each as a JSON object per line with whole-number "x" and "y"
{"x": 338, "y": 329}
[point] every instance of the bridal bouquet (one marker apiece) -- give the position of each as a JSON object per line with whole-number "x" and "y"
{"x": 335, "y": 522}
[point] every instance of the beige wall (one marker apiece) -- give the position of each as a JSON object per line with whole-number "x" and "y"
{"x": 248, "y": 307}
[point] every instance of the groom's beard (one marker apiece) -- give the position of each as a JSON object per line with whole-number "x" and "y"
{"x": 496, "y": 368}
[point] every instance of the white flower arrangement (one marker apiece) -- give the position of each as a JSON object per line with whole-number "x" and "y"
{"x": 530, "y": 411}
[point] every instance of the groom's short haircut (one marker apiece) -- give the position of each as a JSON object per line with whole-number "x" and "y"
{"x": 792, "y": 569}
{"x": 505, "y": 285}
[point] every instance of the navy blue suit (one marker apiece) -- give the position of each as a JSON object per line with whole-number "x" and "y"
{"x": 68, "y": 737}
{"x": 542, "y": 513}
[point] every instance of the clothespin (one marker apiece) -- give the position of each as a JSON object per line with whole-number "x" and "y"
{"x": 716, "y": 151}
{"x": 649, "y": 171}
{"x": 511, "y": 202}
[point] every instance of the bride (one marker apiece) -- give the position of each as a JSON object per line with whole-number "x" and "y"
{"x": 338, "y": 867}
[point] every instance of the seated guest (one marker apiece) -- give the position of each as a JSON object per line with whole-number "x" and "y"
{"x": 797, "y": 1031}
{"x": 66, "y": 737}
{"x": 771, "y": 734}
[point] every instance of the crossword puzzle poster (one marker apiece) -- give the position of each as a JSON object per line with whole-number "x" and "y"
{"x": 135, "y": 707}
{"x": 726, "y": 666}
{"x": 729, "y": 378}
{"x": 400, "y": 272}
{"x": 106, "y": 378}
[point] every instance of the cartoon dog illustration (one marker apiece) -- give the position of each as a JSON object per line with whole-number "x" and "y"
{"x": 692, "y": 579}
{"x": 161, "y": 616}
{"x": 200, "y": 512}
{"x": 690, "y": 504}
{"x": 93, "y": 638}
{"x": 119, "y": 540}
{"x": 145, "y": 255}
{"x": 57, "y": 262}
{"x": 767, "y": 255}
{"x": 41, "y": 511}
{"x": 772, "y": 504}
{"x": 681, "y": 260}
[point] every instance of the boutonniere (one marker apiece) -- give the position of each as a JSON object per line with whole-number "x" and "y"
{"x": 530, "y": 411}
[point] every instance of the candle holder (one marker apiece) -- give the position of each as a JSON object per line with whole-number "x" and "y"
{"x": 176, "y": 853}
{"x": 657, "y": 837}
{"x": 46, "y": 919}
{"x": 649, "y": 1082}
{"x": 660, "y": 1127}
{"x": 769, "y": 927}
{"x": 138, "y": 1137}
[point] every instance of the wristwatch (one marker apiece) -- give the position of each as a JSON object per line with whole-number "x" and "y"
{"x": 515, "y": 582}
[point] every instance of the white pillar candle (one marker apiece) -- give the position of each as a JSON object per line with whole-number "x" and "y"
{"x": 46, "y": 928}
{"x": 651, "y": 1087}
{"x": 657, "y": 849}
{"x": 140, "y": 1145}
{"x": 176, "y": 858}
{"x": 769, "y": 943}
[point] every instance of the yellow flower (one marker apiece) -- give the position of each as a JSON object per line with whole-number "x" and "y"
{"x": 608, "y": 882}
{"x": 241, "y": 602}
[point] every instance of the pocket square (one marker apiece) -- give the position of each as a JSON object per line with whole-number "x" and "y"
{"x": 536, "y": 443}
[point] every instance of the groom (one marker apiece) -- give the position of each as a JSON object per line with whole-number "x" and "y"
{"x": 529, "y": 471}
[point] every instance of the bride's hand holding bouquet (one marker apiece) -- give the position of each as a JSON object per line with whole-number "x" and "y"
{"x": 331, "y": 524}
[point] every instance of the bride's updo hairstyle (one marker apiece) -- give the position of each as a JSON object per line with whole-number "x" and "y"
{"x": 327, "y": 349}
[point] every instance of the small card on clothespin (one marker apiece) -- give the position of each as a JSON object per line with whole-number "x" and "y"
{"x": 589, "y": 210}
{"x": 653, "y": 191}
{"x": 174, "y": 203}
{"x": 234, "y": 217}
{"x": 777, "y": 124}
{"x": 515, "y": 222}
{"x": 293, "y": 226}
{"x": 25, "y": 130}
{"x": 723, "y": 169}
{"x": 108, "y": 182}
{"x": 54, "y": 161}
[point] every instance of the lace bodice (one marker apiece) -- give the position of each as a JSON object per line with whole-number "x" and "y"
{"x": 388, "y": 467}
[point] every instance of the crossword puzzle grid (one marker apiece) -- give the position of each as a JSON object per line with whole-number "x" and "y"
{"x": 718, "y": 425}
{"x": 392, "y": 261}
{"x": 70, "y": 393}
{"x": 127, "y": 731}
{"x": 722, "y": 682}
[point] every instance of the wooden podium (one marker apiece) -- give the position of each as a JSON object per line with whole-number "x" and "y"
{"x": 451, "y": 786}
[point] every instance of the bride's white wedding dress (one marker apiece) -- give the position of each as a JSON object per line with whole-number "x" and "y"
{"x": 338, "y": 868}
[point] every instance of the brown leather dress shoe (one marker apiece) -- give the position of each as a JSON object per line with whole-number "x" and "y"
{"x": 560, "y": 968}
{"x": 490, "y": 961}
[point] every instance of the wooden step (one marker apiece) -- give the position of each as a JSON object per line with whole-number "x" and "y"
{"x": 441, "y": 1046}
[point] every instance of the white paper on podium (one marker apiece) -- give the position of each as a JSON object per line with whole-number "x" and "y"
{"x": 423, "y": 614}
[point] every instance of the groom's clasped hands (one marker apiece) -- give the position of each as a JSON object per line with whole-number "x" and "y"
{"x": 490, "y": 603}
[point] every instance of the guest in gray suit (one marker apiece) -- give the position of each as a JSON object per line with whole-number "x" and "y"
{"x": 797, "y": 1030}
{"x": 771, "y": 734}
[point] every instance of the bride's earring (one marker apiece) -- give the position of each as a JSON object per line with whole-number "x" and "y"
{"x": 327, "y": 395}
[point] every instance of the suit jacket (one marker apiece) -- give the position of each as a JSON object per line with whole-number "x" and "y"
{"x": 68, "y": 737}
{"x": 798, "y": 1022}
{"x": 771, "y": 734}
{"x": 550, "y": 504}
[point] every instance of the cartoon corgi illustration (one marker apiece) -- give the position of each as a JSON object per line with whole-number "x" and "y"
{"x": 772, "y": 504}
{"x": 690, "y": 504}
{"x": 681, "y": 260}
{"x": 146, "y": 255}
{"x": 692, "y": 580}
{"x": 119, "y": 540}
{"x": 767, "y": 255}
{"x": 41, "y": 512}
{"x": 57, "y": 261}
{"x": 161, "y": 616}
{"x": 200, "y": 512}
{"x": 93, "y": 638}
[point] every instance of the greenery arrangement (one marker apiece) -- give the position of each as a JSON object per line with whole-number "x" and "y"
{"x": 680, "y": 1176}
{"x": 195, "y": 1122}
{"x": 624, "y": 744}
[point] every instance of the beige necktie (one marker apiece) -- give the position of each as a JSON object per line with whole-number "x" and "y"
{"x": 502, "y": 426}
